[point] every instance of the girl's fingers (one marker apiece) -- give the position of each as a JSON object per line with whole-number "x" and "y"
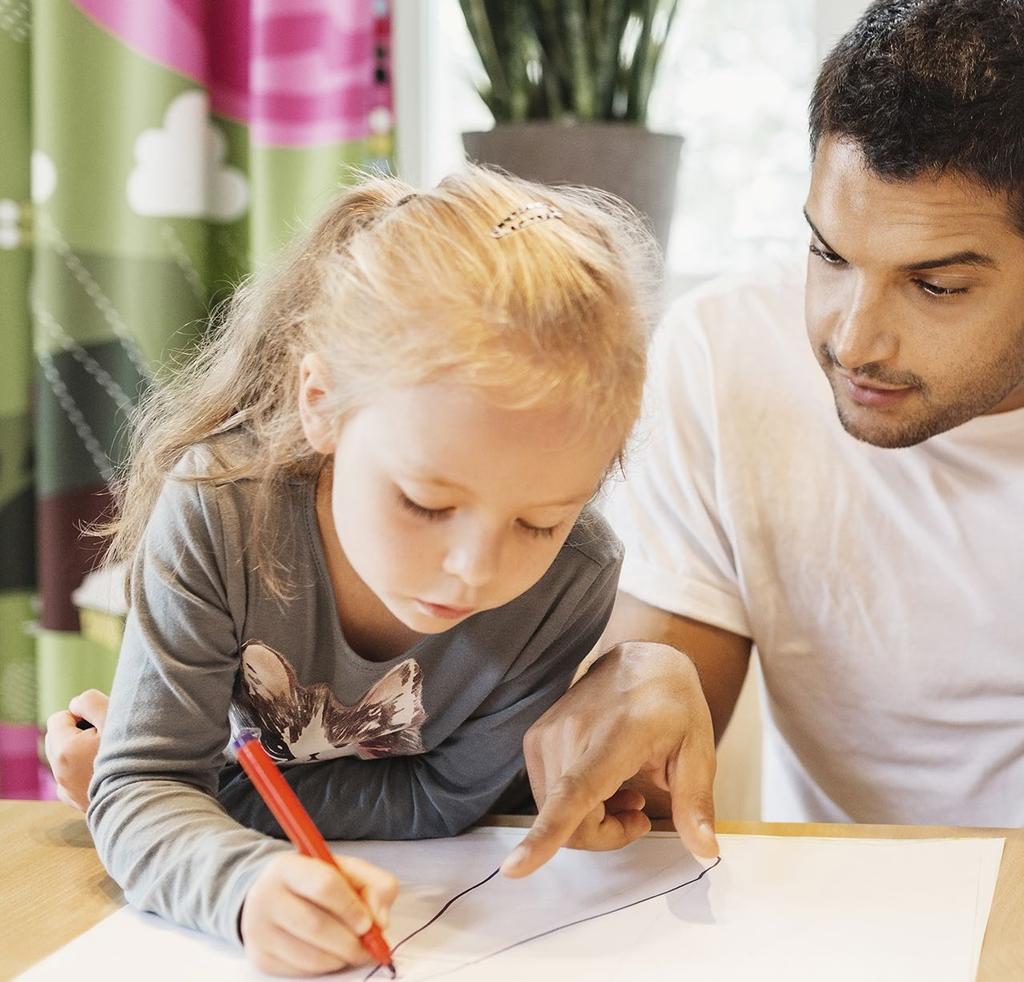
{"x": 315, "y": 881}
{"x": 302, "y": 916}
{"x": 378, "y": 887}
{"x": 60, "y": 724}
{"x": 316, "y": 928}
{"x": 299, "y": 955}
{"x": 71, "y": 753}
{"x": 91, "y": 706}
{"x": 60, "y": 730}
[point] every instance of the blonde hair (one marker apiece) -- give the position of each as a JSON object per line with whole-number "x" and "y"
{"x": 394, "y": 287}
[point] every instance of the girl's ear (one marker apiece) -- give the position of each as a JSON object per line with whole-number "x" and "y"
{"x": 314, "y": 410}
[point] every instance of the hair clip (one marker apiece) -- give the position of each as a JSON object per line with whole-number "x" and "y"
{"x": 530, "y": 214}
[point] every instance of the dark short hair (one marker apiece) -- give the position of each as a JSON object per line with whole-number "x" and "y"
{"x": 931, "y": 86}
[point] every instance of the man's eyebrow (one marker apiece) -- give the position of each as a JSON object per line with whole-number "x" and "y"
{"x": 817, "y": 234}
{"x": 965, "y": 257}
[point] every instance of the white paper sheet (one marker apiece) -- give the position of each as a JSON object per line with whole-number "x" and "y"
{"x": 775, "y": 908}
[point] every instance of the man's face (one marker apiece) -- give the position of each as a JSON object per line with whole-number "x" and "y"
{"x": 915, "y": 298}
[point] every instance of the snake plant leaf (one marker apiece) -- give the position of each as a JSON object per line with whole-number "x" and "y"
{"x": 569, "y": 59}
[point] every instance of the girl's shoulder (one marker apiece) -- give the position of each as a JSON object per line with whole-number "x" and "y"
{"x": 215, "y": 502}
{"x": 220, "y": 479}
{"x": 223, "y": 457}
{"x": 593, "y": 540}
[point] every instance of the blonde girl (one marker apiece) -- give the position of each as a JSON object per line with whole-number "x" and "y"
{"x": 359, "y": 521}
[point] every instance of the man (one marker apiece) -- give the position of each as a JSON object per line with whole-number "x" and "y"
{"x": 853, "y": 506}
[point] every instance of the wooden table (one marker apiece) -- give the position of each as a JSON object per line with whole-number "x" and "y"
{"x": 52, "y": 886}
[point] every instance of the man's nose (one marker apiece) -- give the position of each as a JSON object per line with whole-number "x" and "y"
{"x": 863, "y": 334}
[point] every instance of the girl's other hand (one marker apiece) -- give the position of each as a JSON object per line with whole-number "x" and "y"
{"x": 71, "y": 750}
{"x": 301, "y": 918}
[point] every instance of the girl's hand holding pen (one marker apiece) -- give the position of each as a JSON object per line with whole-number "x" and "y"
{"x": 301, "y": 918}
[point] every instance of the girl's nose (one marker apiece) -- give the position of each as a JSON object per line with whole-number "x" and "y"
{"x": 475, "y": 559}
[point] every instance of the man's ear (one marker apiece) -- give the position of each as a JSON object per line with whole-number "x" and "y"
{"x": 318, "y": 422}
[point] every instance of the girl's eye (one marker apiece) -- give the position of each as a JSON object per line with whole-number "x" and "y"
{"x": 933, "y": 290}
{"x": 825, "y": 255}
{"x": 537, "y": 531}
{"x": 435, "y": 514}
{"x": 431, "y": 514}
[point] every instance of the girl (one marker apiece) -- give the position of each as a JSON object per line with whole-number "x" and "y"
{"x": 358, "y": 522}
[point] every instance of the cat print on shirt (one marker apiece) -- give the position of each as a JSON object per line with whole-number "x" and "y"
{"x": 299, "y": 724}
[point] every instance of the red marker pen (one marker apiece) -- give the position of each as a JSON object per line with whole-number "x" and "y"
{"x": 297, "y": 825}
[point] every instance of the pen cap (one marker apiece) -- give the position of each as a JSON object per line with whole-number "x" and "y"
{"x": 244, "y": 736}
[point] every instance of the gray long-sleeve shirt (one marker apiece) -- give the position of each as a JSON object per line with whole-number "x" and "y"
{"x": 418, "y": 746}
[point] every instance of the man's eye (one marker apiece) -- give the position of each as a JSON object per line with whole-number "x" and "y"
{"x": 934, "y": 290}
{"x": 832, "y": 258}
{"x": 431, "y": 514}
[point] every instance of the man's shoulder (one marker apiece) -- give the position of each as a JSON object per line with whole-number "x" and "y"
{"x": 755, "y": 309}
{"x": 738, "y": 341}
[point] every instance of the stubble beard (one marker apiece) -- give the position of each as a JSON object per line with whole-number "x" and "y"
{"x": 997, "y": 382}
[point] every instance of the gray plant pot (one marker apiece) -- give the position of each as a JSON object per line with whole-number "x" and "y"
{"x": 627, "y": 160}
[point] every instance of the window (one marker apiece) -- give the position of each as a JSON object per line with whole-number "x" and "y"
{"x": 735, "y": 82}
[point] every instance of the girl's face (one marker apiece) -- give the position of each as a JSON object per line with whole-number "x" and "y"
{"x": 446, "y": 504}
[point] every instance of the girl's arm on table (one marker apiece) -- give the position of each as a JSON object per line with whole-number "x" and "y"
{"x": 157, "y": 825}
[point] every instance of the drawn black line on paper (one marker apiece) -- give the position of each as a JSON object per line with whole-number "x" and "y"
{"x": 533, "y": 937}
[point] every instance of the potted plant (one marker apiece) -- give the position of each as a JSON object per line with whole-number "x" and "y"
{"x": 568, "y": 83}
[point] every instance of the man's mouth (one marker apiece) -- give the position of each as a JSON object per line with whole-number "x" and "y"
{"x": 876, "y": 395}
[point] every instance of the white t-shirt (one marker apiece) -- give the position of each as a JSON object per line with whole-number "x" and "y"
{"x": 884, "y": 589}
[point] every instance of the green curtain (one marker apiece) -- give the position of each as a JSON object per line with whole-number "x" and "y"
{"x": 153, "y": 152}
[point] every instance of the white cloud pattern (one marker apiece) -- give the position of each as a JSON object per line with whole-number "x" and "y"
{"x": 44, "y": 177}
{"x": 180, "y": 170}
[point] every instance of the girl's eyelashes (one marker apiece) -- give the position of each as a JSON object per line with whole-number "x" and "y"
{"x": 431, "y": 514}
{"x": 538, "y": 531}
{"x": 434, "y": 514}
